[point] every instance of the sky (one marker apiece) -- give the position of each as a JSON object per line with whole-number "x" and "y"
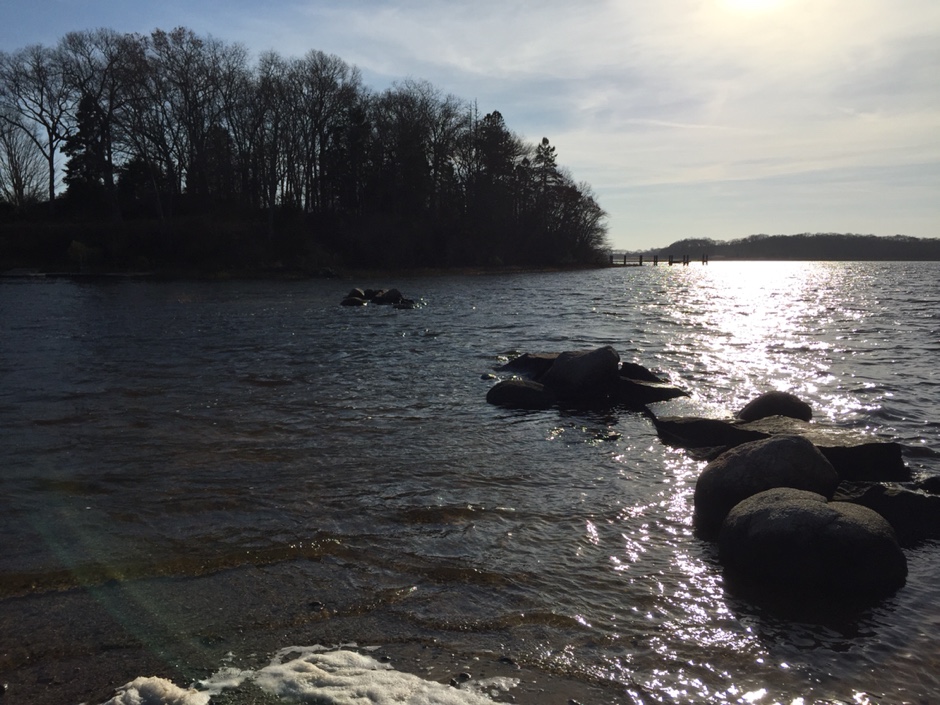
{"x": 688, "y": 118}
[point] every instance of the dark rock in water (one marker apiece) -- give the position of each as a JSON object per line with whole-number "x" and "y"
{"x": 592, "y": 378}
{"x": 914, "y": 515}
{"x": 388, "y": 297}
{"x": 694, "y": 432}
{"x": 854, "y": 456}
{"x": 530, "y": 365}
{"x": 391, "y": 297}
{"x": 584, "y": 375}
{"x": 776, "y": 404}
{"x": 793, "y": 541}
{"x": 930, "y": 485}
{"x": 636, "y": 394}
{"x": 520, "y": 394}
{"x": 750, "y": 468}
{"x": 631, "y": 370}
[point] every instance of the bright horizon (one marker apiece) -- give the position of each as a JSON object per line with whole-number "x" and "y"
{"x": 704, "y": 118}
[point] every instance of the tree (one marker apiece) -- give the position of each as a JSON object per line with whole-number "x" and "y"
{"x": 33, "y": 85}
{"x": 21, "y": 165}
{"x": 88, "y": 171}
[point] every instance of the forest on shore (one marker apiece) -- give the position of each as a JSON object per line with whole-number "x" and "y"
{"x": 174, "y": 151}
{"x": 808, "y": 247}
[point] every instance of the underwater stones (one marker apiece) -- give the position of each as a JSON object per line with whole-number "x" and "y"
{"x": 776, "y": 404}
{"x": 794, "y": 542}
{"x": 756, "y": 466}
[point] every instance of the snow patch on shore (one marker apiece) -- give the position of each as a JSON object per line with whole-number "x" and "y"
{"x": 313, "y": 674}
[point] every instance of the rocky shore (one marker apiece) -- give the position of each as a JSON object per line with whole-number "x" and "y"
{"x": 798, "y": 508}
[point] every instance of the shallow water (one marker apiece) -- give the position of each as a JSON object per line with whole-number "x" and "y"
{"x": 179, "y": 429}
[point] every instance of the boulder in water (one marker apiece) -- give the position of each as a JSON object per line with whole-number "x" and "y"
{"x": 584, "y": 375}
{"x": 794, "y": 542}
{"x": 520, "y": 394}
{"x": 776, "y": 404}
{"x": 750, "y": 468}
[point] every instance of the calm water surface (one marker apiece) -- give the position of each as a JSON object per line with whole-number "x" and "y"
{"x": 177, "y": 429}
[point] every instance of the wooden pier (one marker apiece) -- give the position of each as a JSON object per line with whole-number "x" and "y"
{"x": 621, "y": 259}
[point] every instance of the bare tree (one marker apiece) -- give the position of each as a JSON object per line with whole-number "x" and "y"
{"x": 21, "y": 164}
{"x": 99, "y": 70}
{"x": 325, "y": 88}
{"x": 32, "y": 83}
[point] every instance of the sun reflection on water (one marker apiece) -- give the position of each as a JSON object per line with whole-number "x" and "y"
{"x": 741, "y": 329}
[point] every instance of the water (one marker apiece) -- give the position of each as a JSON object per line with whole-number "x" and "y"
{"x": 235, "y": 466}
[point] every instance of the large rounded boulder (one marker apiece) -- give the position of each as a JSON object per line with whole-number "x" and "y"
{"x": 735, "y": 475}
{"x": 584, "y": 375}
{"x": 795, "y": 543}
{"x": 776, "y": 404}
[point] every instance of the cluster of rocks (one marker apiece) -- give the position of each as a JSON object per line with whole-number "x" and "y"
{"x": 383, "y": 297}
{"x": 807, "y": 512}
{"x": 797, "y": 508}
{"x": 581, "y": 378}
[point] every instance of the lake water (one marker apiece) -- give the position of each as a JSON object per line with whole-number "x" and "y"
{"x": 189, "y": 469}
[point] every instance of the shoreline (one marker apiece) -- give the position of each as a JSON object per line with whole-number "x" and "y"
{"x": 79, "y": 645}
{"x": 290, "y": 274}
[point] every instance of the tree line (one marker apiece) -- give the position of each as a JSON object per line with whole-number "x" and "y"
{"x": 811, "y": 247}
{"x": 185, "y": 149}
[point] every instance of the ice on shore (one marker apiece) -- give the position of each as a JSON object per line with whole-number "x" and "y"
{"x": 312, "y": 674}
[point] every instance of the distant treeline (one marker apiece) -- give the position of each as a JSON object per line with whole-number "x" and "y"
{"x": 180, "y": 150}
{"x": 809, "y": 246}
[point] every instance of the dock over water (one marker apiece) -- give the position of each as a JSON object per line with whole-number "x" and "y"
{"x": 627, "y": 259}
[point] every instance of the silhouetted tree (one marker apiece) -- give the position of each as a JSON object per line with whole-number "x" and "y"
{"x": 186, "y": 124}
{"x": 21, "y": 165}
{"x": 33, "y": 86}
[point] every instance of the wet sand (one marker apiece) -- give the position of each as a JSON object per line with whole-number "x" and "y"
{"x": 78, "y": 646}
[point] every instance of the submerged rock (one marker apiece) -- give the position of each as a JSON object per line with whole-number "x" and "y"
{"x": 792, "y": 541}
{"x": 756, "y": 466}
